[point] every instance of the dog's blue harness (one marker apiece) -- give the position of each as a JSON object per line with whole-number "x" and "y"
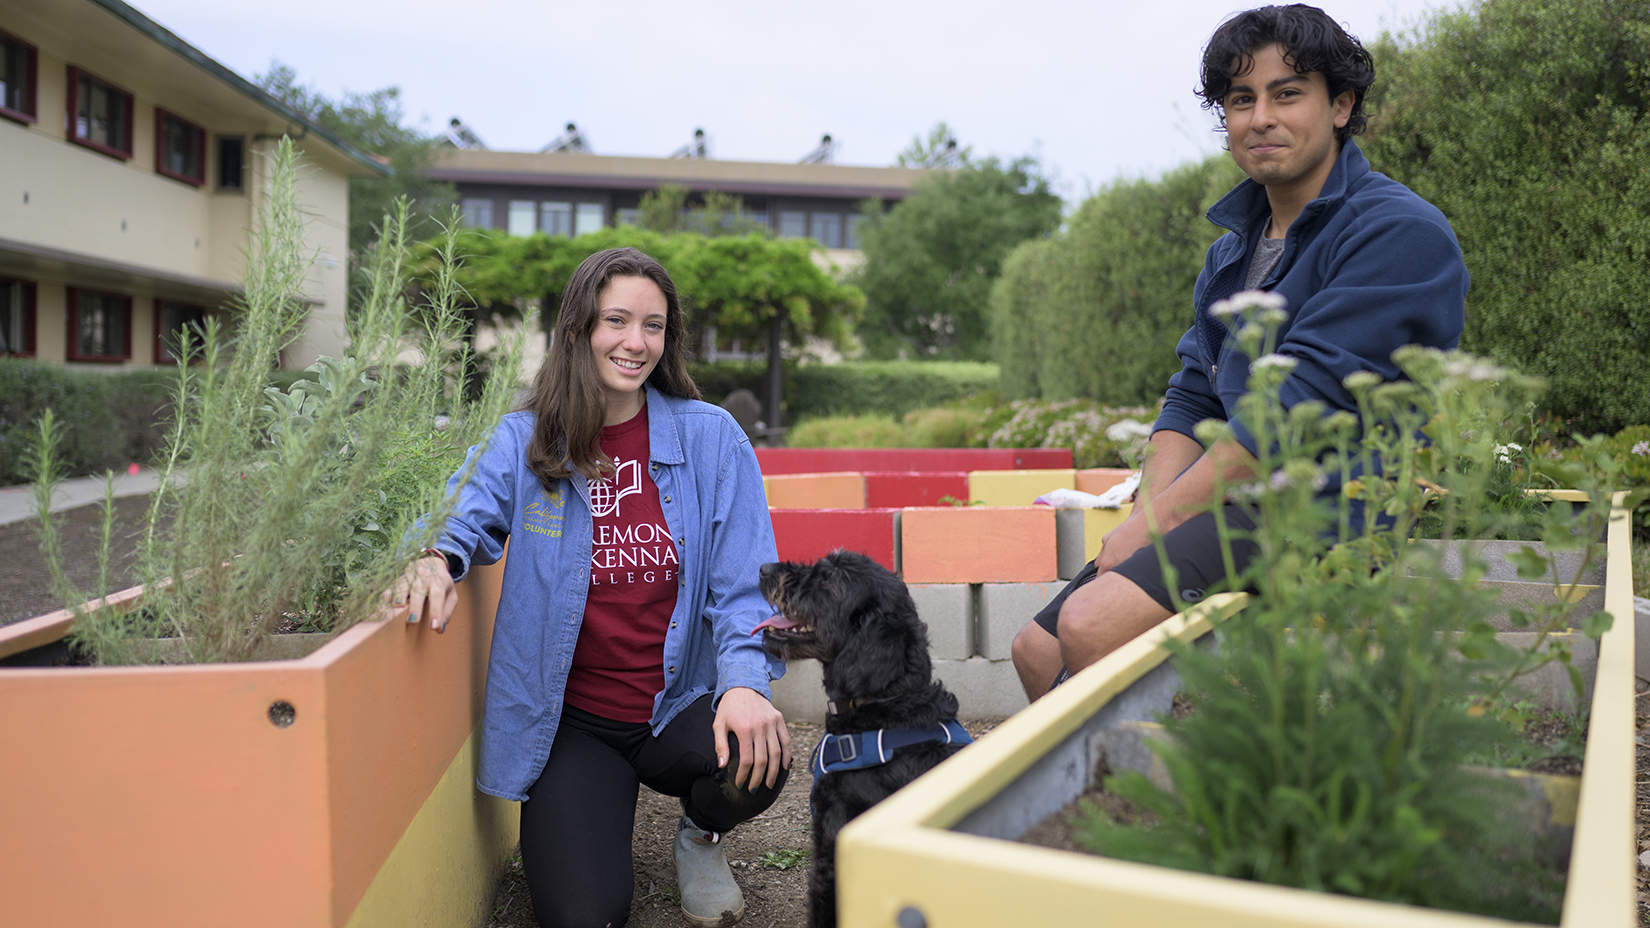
{"x": 874, "y": 748}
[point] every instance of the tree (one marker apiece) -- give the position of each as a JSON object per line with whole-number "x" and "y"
{"x": 1527, "y": 122}
{"x": 939, "y": 150}
{"x": 750, "y": 286}
{"x": 373, "y": 123}
{"x": 931, "y": 260}
{"x": 666, "y": 210}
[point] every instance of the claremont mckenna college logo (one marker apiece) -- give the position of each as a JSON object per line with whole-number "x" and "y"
{"x": 605, "y": 494}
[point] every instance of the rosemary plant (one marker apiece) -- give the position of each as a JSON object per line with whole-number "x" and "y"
{"x": 290, "y": 509}
{"x": 1334, "y": 720}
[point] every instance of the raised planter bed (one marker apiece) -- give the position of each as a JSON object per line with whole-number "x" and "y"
{"x": 945, "y": 852}
{"x": 334, "y": 789}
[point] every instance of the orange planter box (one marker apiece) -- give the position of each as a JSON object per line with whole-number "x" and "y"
{"x": 171, "y": 796}
{"x": 815, "y": 491}
{"x": 978, "y": 544}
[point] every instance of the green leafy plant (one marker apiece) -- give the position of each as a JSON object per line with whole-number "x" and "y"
{"x": 1334, "y": 721}
{"x": 294, "y": 507}
{"x": 784, "y": 859}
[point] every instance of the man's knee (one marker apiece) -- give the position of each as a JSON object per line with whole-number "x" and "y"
{"x": 1033, "y": 645}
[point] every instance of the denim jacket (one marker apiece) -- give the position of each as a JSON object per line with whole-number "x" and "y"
{"x": 711, "y": 491}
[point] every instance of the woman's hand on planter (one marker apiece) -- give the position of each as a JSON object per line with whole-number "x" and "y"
{"x": 425, "y": 590}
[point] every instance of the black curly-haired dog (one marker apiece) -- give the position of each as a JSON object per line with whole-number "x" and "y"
{"x": 857, "y": 619}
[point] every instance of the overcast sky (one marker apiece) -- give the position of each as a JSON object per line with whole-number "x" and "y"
{"x": 1096, "y": 90}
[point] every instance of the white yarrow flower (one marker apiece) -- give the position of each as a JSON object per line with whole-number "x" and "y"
{"x": 1276, "y": 360}
{"x": 1128, "y": 430}
{"x": 1642, "y": 447}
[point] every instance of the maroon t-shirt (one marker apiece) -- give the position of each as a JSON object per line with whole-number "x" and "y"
{"x": 618, "y": 665}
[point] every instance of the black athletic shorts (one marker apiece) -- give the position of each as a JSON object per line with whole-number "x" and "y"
{"x": 1193, "y": 549}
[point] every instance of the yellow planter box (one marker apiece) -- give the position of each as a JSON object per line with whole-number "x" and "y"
{"x": 336, "y": 789}
{"x": 942, "y": 848}
{"x": 1016, "y": 487}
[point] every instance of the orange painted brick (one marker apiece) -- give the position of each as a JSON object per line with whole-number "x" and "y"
{"x": 978, "y": 544}
{"x": 1097, "y": 480}
{"x": 805, "y": 535}
{"x": 816, "y": 491}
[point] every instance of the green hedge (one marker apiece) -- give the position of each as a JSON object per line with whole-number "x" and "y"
{"x": 891, "y": 388}
{"x": 1095, "y": 311}
{"x": 1528, "y": 123}
{"x": 111, "y": 419}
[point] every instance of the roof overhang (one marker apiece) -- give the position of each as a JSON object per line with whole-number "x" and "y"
{"x": 556, "y": 169}
{"x": 38, "y": 262}
{"x": 165, "y": 68}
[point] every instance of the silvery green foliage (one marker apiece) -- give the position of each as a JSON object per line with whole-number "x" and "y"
{"x": 302, "y": 504}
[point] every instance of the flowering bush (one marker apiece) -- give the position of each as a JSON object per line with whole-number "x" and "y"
{"x": 1098, "y": 436}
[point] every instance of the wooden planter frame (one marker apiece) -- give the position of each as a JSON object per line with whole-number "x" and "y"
{"x": 912, "y": 861}
{"x": 332, "y": 790}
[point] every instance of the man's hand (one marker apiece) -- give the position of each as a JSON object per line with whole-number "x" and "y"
{"x": 426, "y": 589}
{"x": 764, "y": 741}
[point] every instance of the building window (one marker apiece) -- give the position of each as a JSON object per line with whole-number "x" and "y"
{"x": 828, "y": 229}
{"x": 856, "y": 228}
{"x": 171, "y": 321}
{"x": 478, "y": 213}
{"x": 590, "y": 218}
{"x": 100, "y": 326}
{"x": 17, "y": 70}
{"x": 628, "y": 217}
{"x": 793, "y": 225}
{"x": 556, "y": 218}
{"x": 180, "y": 149}
{"x": 231, "y": 162}
{"x": 16, "y": 318}
{"x": 100, "y": 114}
{"x": 521, "y": 218}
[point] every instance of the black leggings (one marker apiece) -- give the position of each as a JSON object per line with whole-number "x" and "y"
{"x": 577, "y": 822}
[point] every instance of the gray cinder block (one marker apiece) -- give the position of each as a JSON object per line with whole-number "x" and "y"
{"x": 800, "y": 693}
{"x": 948, "y": 610}
{"x": 1004, "y": 609}
{"x": 985, "y": 689}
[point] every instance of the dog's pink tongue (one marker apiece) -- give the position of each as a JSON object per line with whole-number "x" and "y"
{"x": 778, "y": 621}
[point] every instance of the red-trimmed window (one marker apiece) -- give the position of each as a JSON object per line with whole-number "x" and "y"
{"x": 18, "y": 64}
{"x": 100, "y": 326}
{"x": 16, "y": 318}
{"x": 180, "y": 148}
{"x": 100, "y": 114}
{"x": 171, "y": 320}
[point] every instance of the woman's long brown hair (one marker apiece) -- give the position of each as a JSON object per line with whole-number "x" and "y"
{"x": 567, "y": 402}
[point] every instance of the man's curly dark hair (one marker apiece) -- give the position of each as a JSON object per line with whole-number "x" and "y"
{"x": 1311, "y": 41}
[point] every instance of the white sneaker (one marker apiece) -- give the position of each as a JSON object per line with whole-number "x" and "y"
{"x": 710, "y": 897}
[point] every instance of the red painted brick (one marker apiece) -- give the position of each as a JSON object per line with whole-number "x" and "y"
{"x": 810, "y": 534}
{"x": 817, "y": 460}
{"x": 914, "y": 488}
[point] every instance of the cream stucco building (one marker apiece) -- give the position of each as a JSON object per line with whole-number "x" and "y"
{"x": 131, "y": 167}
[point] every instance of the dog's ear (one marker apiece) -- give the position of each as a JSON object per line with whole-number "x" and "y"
{"x": 871, "y": 659}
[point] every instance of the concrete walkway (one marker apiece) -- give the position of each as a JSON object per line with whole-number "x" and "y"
{"x": 17, "y": 503}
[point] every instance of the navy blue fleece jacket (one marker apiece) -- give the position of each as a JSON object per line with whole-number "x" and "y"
{"x": 1367, "y": 268}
